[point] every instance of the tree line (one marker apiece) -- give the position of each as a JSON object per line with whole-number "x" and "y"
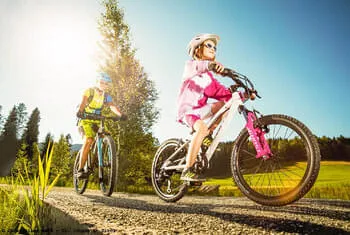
{"x": 17, "y": 132}
{"x": 332, "y": 149}
{"x": 19, "y": 148}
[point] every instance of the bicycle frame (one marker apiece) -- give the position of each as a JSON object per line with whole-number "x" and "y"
{"x": 234, "y": 105}
{"x": 97, "y": 145}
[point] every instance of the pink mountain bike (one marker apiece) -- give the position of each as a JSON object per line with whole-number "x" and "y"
{"x": 275, "y": 159}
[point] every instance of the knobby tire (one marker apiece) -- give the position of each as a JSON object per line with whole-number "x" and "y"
{"x": 244, "y": 176}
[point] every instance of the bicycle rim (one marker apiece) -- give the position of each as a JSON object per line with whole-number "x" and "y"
{"x": 109, "y": 166}
{"x": 287, "y": 175}
{"x": 167, "y": 184}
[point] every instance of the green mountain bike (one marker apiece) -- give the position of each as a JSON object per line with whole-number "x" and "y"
{"x": 103, "y": 155}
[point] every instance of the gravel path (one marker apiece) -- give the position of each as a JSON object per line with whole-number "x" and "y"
{"x": 92, "y": 213}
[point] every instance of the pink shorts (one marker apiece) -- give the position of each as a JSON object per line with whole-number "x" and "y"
{"x": 196, "y": 114}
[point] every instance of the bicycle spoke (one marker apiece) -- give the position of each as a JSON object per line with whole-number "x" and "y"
{"x": 249, "y": 153}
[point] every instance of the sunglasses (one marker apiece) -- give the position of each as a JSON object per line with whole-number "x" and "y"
{"x": 210, "y": 46}
{"x": 105, "y": 83}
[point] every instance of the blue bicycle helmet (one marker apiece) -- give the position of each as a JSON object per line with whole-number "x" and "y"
{"x": 104, "y": 77}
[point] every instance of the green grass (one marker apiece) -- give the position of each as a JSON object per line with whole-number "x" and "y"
{"x": 22, "y": 208}
{"x": 333, "y": 182}
{"x": 333, "y": 173}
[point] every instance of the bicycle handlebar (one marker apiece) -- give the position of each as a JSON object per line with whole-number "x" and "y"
{"x": 99, "y": 117}
{"x": 241, "y": 80}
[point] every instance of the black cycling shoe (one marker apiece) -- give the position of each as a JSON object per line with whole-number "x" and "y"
{"x": 82, "y": 174}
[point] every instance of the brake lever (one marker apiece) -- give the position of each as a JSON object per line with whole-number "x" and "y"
{"x": 256, "y": 93}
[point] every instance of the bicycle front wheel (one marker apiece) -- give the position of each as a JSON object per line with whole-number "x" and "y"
{"x": 109, "y": 169}
{"x": 79, "y": 184}
{"x": 288, "y": 174}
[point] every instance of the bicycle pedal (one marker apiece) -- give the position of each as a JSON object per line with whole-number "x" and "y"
{"x": 196, "y": 183}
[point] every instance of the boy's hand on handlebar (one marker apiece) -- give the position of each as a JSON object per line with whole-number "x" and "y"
{"x": 123, "y": 117}
{"x": 80, "y": 114}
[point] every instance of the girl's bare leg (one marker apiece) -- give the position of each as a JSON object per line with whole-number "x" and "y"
{"x": 214, "y": 109}
{"x": 201, "y": 131}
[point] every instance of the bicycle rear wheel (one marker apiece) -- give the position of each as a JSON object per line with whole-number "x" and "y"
{"x": 109, "y": 169}
{"x": 288, "y": 174}
{"x": 79, "y": 184}
{"x": 167, "y": 183}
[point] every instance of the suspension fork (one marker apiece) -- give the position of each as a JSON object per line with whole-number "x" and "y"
{"x": 256, "y": 133}
{"x": 99, "y": 155}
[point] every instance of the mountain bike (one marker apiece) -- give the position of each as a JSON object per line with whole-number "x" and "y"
{"x": 275, "y": 158}
{"x": 103, "y": 155}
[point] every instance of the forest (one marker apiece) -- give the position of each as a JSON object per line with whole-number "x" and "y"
{"x": 19, "y": 147}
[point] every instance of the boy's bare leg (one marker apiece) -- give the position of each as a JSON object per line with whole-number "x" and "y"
{"x": 85, "y": 151}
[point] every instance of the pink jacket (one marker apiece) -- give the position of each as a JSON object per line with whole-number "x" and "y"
{"x": 198, "y": 85}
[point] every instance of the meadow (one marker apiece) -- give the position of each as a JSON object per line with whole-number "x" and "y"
{"x": 333, "y": 182}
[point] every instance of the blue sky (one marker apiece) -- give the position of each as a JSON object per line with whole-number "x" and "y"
{"x": 297, "y": 53}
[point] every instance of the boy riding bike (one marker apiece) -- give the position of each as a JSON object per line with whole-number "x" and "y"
{"x": 197, "y": 87}
{"x": 94, "y": 99}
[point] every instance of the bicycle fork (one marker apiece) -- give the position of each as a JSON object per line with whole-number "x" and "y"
{"x": 256, "y": 133}
{"x": 100, "y": 159}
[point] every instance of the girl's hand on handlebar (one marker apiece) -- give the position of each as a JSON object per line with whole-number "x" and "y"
{"x": 251, "y": 97}
{"x": 219, "y": 68}
{"x": 216, "y": 67}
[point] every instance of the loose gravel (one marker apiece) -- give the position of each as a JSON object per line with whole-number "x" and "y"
{"x": 122, "y": 213}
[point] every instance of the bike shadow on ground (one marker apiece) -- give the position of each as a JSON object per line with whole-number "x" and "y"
{"x": 329, "y": 202}
{"x": 303, "y": 207}
{"x": 269, "y": 223}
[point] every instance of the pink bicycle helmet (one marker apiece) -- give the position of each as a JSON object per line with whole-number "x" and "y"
{"x": 198, "y": 40}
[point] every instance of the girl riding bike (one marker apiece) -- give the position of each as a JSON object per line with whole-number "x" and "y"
{"x": 197, "y": 87}
{"x": 94, "y": 99}
{"x": 275, "y": 159}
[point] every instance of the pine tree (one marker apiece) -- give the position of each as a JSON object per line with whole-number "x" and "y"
{"x": 69, "y": 140}
{"x": 34, "y": 162}
{"x": 1, "y": 120}
{"x": 22, "y": 161}
{"x": 133, "y": 93}
{"x": 47, "y": 145}
{"x": 21, "y": 118}
{"x": 9, "y": 143}
{"x": 61, "y": 161}
{"x": 31, "y": 132}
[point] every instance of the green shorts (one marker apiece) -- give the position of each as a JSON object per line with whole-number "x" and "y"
{"x": 88, "y": 128}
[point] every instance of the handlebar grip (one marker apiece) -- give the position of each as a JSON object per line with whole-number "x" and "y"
{"x": 226, "y": 72}
{"x": 92, "y": 117}
{"x": 211, "y": 66}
